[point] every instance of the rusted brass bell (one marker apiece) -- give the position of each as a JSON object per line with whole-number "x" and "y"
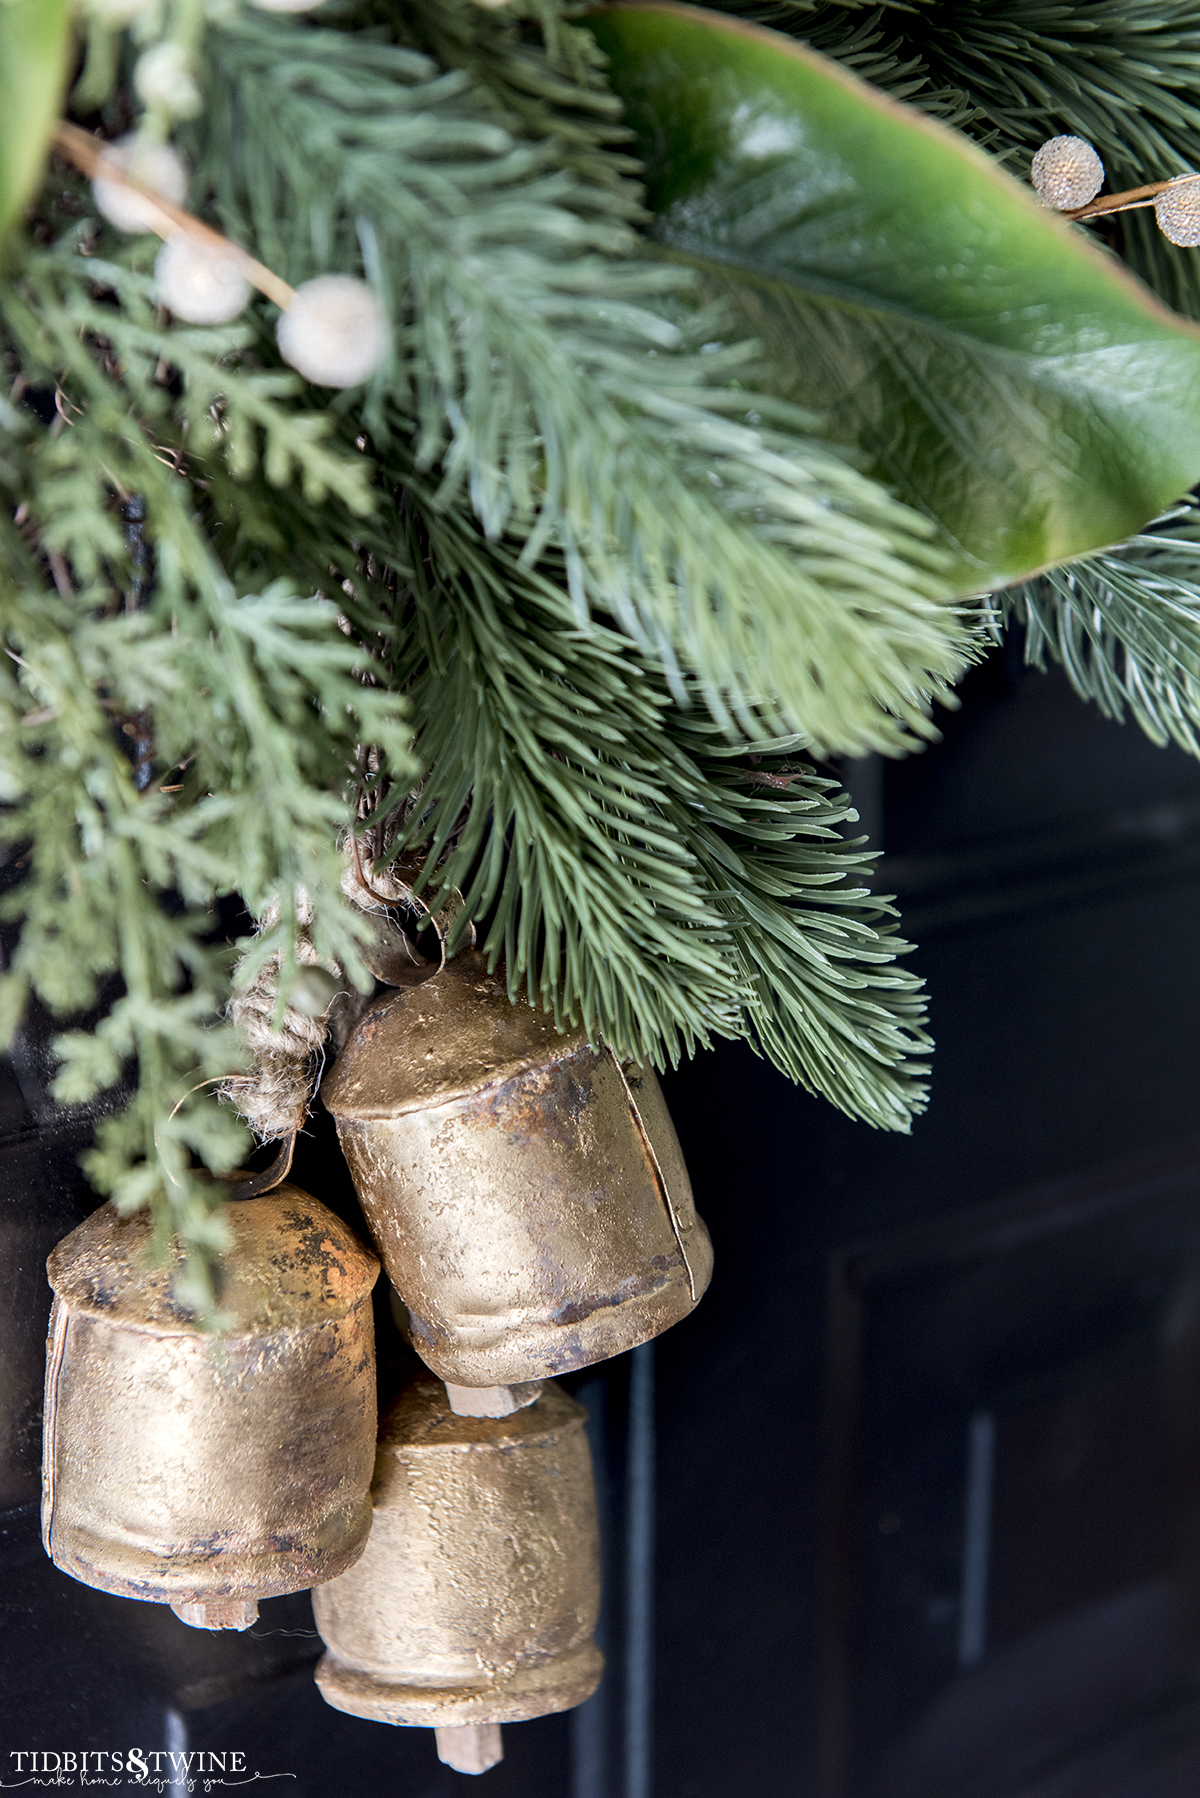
{"x": 526, "y": 1192}
{"x": 475, "y": 1599}
{"x": 200, "y": 1471}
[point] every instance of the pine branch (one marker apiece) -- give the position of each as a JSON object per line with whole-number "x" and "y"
{"x": 829, "y": 1006}
{"x": 561, "y": 381}
{"x": 1125, "y": 625}
{"x": 875, "y": 43}
{"x": 546, "y": 762}
{"x": 638, "y": 875}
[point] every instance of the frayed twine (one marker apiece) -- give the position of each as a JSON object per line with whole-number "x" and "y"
{"x": 288, "y": 1057}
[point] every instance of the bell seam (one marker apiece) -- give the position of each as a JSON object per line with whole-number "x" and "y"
{"x": 58, "y": 1344}
{"x": 658, "y": 1174}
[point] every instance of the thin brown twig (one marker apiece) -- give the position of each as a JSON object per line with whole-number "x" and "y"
{"x": 783, "y": 781}
{"x": 88, "y": 154}
{"x": 1129, "y": 201}
{"x": 58, "y": 569}
{"x": 361, "y": 877}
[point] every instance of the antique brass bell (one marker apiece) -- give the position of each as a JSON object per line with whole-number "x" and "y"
{"x": 527, "y": 1192}
{"x": 475, "y": 1599}
{"x": 201, "y": 1471}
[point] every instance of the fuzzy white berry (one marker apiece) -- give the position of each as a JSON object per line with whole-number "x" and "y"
{"x": 154, "y": 165}
{"x": 1067, "y": 173}
{"x": 284, "y": 5}
{"x": 334, "y": 332}
{"x": 198, "y": 282}
{"x": 1177, "y": 210}
{"x": 163, "y": 77}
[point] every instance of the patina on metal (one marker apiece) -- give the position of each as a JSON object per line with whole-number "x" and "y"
{"x": 526, "y": 1191}
{"x": 477, "y": 1595}
{"x": 208, "y": 1471}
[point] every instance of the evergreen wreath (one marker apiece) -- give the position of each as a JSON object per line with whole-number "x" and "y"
{"x": 559, "y": 606}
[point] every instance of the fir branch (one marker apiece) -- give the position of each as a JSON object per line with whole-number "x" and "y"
{"x": 829, "y": 1006}
{"x": 556, "y": 377}
{"x": 637, "y": 874}
{"x": 1125, "y": 625}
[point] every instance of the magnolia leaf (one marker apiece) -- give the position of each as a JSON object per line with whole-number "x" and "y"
{"x": 34, "y": 45}
{"x": 985, "y": 359}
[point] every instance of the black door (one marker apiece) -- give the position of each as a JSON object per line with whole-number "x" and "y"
{"x": 910, "y": 1508}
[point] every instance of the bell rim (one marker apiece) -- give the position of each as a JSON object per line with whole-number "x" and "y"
{"x": 603, "y": 1333}
{"x": 247, "y": 1575}
{"x": 537, "y": 1690}
{"x": 422, "y": 1401}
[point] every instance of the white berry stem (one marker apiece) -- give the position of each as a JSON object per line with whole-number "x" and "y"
{"x": 1129, "y": 201}
{"x": 87, "y": 153}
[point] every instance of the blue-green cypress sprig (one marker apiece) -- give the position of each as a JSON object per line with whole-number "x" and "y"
{"x": 257, "y": 697}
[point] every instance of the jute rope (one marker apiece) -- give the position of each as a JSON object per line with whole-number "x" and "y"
{"x": 288, "y": 1058}
{"x": 274, "y": 1096}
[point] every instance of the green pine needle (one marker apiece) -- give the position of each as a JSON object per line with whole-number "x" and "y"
{"x": 639, "y": 874}
{"x": 1125, "y": 625}
{"x": 563, "y": 384}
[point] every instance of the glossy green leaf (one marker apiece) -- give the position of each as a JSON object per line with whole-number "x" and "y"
{"x": 34, "y": 47}
{"x": 991, "y": 364}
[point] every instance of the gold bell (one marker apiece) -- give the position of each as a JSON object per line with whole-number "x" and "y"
{"x": 527, "y": 1192}
{"x": 476, "y": 1597}
{"x": 200, "y": 1471}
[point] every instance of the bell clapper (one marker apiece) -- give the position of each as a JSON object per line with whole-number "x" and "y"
{"x": 492, "y": 1401}
{"x": 217, "y": 1613}
{"x": 470, "y": 1747}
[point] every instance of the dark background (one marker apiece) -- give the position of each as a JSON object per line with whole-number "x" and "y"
{"x": 910, "y": 1508}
